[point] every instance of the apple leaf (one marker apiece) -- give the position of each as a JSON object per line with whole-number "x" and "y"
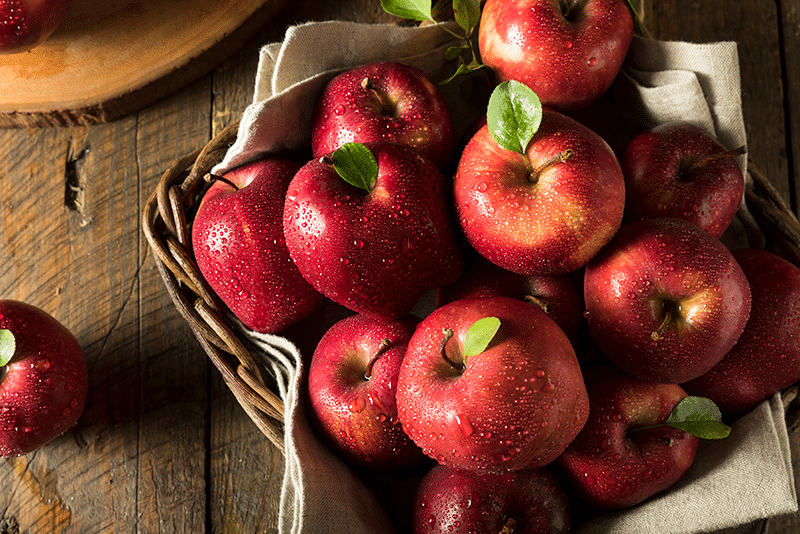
{"x": 356, "y": 165}
{"x": 479, "y": 335}
{"x": 514, "y": 115}
{"x": 700, "y": 417}
{"x": 7, "y": 346}
{"x": 638, "y": 25}
{"x": 467, "y": 14}
{"x": 408, "y": 9}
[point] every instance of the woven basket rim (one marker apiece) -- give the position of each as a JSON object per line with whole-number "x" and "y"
{"x": 166, "y": 229}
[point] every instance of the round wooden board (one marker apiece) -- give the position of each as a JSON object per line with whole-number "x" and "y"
{"x": 109, "y": 58}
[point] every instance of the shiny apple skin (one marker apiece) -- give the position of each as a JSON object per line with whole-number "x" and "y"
{"x": 611, "y": 464}
{"x": 649, "y": 267}
{"x": 416, "y": 114}
{"x": 25, "y": 24}
{"x": 515, "y": 406}
{"x": 43, "y": 388}
{"x": 553, "y": 226}
{"x": 568, "y": 62}
{"x": 766, "y": 358}
{"x": 658, "y": 183}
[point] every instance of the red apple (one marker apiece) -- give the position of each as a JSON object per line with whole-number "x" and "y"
{"x": 680, "y": 170}
{"x": 523, "y": 502}
{"x": 352, "y": 380}
{"x": 376, "y": 247}
{"x": 766, "y": 358}
{"x": 383, "y": 101}
{"x": 238, "y": 243}
{"x": 548, "y": 211}
{"x": 557, "y": 295}
{"x": 45, "y": 382}
{"x": 514, "y": 403}
{"x": 625, "y": 454}
{"x": 25, "y": 24}
{"x": 568, "y": 52}
{"x": 665, "y": 300}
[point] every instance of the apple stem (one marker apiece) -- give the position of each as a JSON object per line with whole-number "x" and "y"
{"x": 209, "y": 177}
{"x": 539, "y": 302}
{"x": 509, "y": 527}
{"x": 377, "y": 354}
{"x": 448, "y": 333}
{"x": 714, "y": 157}
{"x": 561, "y": 157}
{"x": 386, "y": 108}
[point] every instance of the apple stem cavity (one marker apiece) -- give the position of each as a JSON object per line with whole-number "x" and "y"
{"x": 671, "y": 313}
{"x": 387, "y": 109}
{"x": 509, "y": 527}
{"x": 535, "y": 173}
{"x": 377, "y": 354}
{"x": 210, "y": 178}
{"x": 448, "y": 333}
{"x": 570, "y": 9}
{"x": 687, "y": 174}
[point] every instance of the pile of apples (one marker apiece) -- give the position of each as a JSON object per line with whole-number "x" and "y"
{"x": 589, "y": 326}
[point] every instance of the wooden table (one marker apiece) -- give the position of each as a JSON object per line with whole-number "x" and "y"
{"x": 162, "y": 445}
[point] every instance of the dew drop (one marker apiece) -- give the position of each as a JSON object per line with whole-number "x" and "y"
{"x": 464, "y": 425}
{"x": 357, "y": 405}
{"x": 592, "y": 62}
{"x": 339, "y": 110}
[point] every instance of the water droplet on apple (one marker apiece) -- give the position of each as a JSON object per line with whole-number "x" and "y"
{"x": 567, "y": 44}
{"x": 481, "y": 187}
{"x": 405, "y": 244}
{"x": 357, "y": 405}
{"x": 592, "y": 62}
{"x": 358, "y": 243}
{"x": 540, "y": 373}
{"x": 339, "y": 109}
{"x": 464, "y": 425}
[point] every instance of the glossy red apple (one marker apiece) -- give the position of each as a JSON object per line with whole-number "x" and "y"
{"x": 451, "y": 501}
{"x": 352, "y": 380}
{"x": 557, "y": 295}
{"x": 238, "y": 243}
{"x": 376, "y": 247}
{"x": 625, "y": 454}
{"x": 548, "y": 211}
{"x": 665, "y": 300}
{"x": 514, "y": 403}
{"x": 44, "y": 383}
{"x": 25, "y": 24}
{"x": 568, "y": 52}
{"x": 766, "y": 358}
{"x": 383, "y": 101}
{"x": 680, "y": 170}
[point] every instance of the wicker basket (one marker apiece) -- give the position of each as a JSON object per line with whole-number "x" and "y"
{"x": 166, "y": 228}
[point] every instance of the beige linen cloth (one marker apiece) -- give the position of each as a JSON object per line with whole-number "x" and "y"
{"x": 733, "y": 483}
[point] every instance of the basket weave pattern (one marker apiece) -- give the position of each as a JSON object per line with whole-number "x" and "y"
{"x": 166, "y": 219}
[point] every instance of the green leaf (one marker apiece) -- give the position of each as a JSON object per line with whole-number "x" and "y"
{"x": 700, "y": 417}
{"x": 356, "y": 165}
{"x": 514, "y": 115}
{"x": 408, "y": 9}
{"x": 467, "y": 14}
{"x": 7, "y": 346}
{"x": 463, "y": 69}
{"x": 638, "y": 26}
{"x": 479, "y": 335}
{"x": 453, "y": 52}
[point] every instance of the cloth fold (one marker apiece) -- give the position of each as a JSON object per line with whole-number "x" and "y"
{"x": 733, "y": 482}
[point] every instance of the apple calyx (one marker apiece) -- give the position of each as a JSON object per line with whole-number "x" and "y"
{"x": 8, "y": 346}
{"x": 686, "y": 174}
{"x": 509, "y": 527}
{"x": 699, "y": 416}
{"x": 385, "y": 106}
{"x": 535, "y": 173}
{"x": 384, "y": 344}
{"x": 210, "y": 178}
{"x": 355, "y": 164}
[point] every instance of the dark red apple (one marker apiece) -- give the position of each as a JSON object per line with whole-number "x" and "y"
{"x": 665, "y": 300}
{"x": 452, "y": 501}
{"x": 383, "y": 101}
{"x": 625, "y": 453}
{"x": 238, "y": 243}
{"x": 548, "y": 211}
{"x": 376, "y": 247}
{"x": 680, "y": 170}
{"x": 513, "y": 402}
{"x": 352, "y": 380}
{"x": 766, "y": 358}
{"x": 557, "y": 295}
{"x": 25, "y": 24}
{"x": 568, "y": 52}
{"x": 44, "y": 378}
